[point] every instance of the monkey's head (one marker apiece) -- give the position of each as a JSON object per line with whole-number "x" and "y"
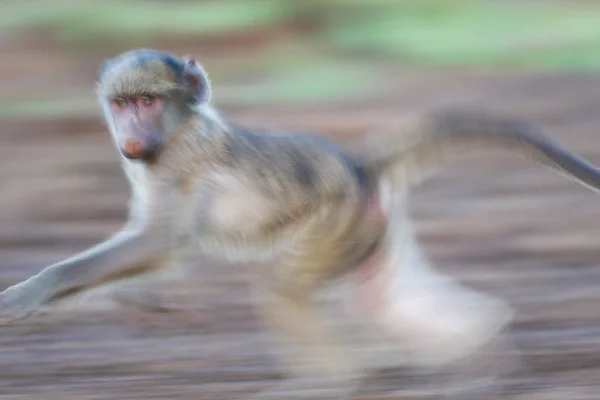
{"x": 146, "y": 96}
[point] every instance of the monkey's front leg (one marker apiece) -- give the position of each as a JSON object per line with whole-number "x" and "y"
{"x": 126, "y": 253}
{"x": 317, "y": 364}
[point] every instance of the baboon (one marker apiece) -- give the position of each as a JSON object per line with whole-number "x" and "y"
{"x": 300, "y": 207}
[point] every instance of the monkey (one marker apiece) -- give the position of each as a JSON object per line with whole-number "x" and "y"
{"x": 300, "y": 210}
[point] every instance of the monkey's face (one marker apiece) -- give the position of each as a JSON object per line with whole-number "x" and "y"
{"x": 138, "y": 125}
{"x": 147, "y": 96}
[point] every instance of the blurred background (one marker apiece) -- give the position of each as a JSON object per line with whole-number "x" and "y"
{"x": 339, "y": 67}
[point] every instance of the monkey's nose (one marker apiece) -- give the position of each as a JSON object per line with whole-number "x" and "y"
{"x": 133, "y": 148}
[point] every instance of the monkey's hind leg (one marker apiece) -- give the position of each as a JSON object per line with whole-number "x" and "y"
{"x": 435, "y": 320}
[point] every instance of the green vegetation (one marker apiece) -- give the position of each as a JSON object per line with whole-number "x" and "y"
{"x": 111, "y": 19}
{"x": 320, "y": 62}
{"x": 559, "y": 34}
{"x": 542, "y": 35}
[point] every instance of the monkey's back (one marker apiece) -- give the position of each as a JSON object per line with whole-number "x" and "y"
{"x": 292, "y": 164}
{"x": 297, "y": 190}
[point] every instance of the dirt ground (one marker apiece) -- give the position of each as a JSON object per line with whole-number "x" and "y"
{"x": 499, "y": 223}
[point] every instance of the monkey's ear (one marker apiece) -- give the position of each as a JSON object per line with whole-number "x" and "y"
{"x": 105, "y": 65}
{"x": 197, "y": 80}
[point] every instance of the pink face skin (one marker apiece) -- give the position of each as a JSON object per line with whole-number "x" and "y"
{"x": 138, "y": 123}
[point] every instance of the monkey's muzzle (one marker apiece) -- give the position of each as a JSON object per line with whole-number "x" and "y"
{"x": 135, "y": 149}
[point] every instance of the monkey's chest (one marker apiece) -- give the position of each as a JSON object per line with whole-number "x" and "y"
{"x": 233, "y": 224}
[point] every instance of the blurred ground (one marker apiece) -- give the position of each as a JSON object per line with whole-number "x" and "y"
{"x": 499, "y": 223}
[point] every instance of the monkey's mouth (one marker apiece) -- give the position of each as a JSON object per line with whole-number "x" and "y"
{"x": 147, "y": 155}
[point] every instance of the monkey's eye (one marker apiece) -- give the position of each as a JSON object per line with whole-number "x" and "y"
{"x": 146, "y": 100}
{"x": 119, "y": 102}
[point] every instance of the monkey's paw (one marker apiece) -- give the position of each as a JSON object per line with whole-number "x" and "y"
{"x": 16, "y": 303}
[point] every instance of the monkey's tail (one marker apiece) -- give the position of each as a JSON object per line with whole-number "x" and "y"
{"x": 440, "y": 135}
